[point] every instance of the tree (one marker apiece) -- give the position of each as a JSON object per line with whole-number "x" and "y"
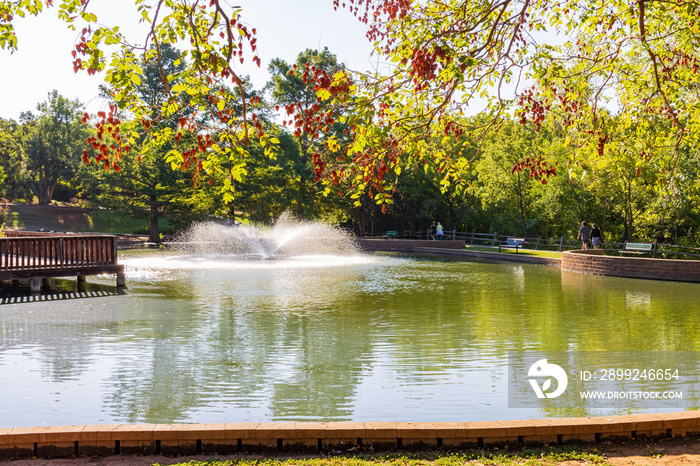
{"x": 270, "y": 186}
{"x": 53, "y": 144}
{"x": 150, "y": 189}
{"x": 144, "y": 184}
{"x": 506, "y": 179}
{"x": 15, "y": 184}
{"x": 215, "y": 35}
{"x": 678, "y": 216}
{"x": 292, "y": 88}
{"x": 620, "y": 178}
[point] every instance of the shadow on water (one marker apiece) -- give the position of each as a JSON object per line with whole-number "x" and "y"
{"x": 57, "y": 290}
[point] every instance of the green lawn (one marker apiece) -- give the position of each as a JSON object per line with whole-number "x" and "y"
{"x": 529, "y": 252}
{"x": 541, "y": 457}
{"x": 34, "y": 217}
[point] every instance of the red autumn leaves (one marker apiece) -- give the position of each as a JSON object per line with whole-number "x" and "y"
{"x": 315, "y": 118}
{"x": 107, "y": 140}
{"x": 539, "y": 168}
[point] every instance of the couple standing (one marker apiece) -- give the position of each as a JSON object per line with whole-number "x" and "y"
{"x": 585, "y": 232}
{"x": 436, "y": 231}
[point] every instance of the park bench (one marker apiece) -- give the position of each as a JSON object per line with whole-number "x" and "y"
{"x": 391, "y": 234}
{"x": 636, "y": 248}
{"x": 512, "y": 243}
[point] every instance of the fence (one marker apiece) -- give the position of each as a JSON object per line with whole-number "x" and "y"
{"x": 494, "y": 239}
{"x": 550, "y": 244}
{"x": 56, "y": 252}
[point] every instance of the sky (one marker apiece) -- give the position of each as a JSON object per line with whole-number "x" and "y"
{"x": 284, "y": 29}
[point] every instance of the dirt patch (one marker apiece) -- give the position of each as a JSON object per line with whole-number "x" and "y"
{"x": 681, "y": 452}
{"x": 671, "y": 453}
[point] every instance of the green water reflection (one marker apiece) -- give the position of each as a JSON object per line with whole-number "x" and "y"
{"x": 381, "y": 337}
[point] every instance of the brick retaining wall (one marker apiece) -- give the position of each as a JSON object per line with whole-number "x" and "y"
{"x": 590, "y": 261}
{"x": 593, "y": 262}
{"x": 310, "y": 437}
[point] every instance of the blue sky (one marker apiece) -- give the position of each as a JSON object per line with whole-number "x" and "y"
{"x": 284, "y": 28}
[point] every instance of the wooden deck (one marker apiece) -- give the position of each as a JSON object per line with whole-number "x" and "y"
{"x": 44, "y": 256}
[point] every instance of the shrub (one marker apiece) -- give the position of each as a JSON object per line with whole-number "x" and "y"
{"x": 4, "y": 211}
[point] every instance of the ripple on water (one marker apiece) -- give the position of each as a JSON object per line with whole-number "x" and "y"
{"x": 207, "y": 337}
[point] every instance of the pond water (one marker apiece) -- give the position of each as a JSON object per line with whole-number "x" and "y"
{"x": 208, "y": 338}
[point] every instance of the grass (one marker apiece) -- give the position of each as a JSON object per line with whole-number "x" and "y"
{"x": 527, "y": 252}
{"x": 74, "y": 219}
{"x": 539, "y": 457}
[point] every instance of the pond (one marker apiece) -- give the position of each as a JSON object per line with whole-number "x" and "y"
{"x": 334, "y": 337}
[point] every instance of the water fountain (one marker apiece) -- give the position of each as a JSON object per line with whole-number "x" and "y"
{"x": 288, "y": 244}
{"x": 286, "y": 238}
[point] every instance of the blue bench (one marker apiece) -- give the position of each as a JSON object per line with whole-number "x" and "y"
{"x": 391, "y": 234}
{"x": 512, "y": 243}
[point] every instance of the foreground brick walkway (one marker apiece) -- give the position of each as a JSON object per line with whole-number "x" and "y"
{"x": 304, "y": 437}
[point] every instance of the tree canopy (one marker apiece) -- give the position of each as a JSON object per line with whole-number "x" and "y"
{"x": 599, "y": 72}
{"x": 52, "y": 144}
{"x": 572, "y": 64}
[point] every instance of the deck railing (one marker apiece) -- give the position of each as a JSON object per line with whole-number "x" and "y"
{"x": 57, "y": 252}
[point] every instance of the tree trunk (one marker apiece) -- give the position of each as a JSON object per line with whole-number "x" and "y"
{"x": 629, "y": 222}
{"x": 521, "y": 204}
{"x": 301, "y": 197}
{"x": 628, "y": 211}
{"x": 453, "y": 214}
{"x": 524, "y": 224}
{"x": 50, "y": 188}
{"x": 154, "y": 234}
{"x": 361, "y": 221}
{"x": 43, "y": 191}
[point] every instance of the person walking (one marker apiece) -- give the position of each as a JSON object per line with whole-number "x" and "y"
{"x": 433, "y": 231}
{"x": 439, "y": 231}
{"x": 583, "y": 234}
{"x": 596, "y": 237}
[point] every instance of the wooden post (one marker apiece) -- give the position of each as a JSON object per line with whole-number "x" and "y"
{"x": 35, "y": 284}
{"x": 561, "y": 244}
{"x": 493, "y": 242}
{"x": 655, "y": 244}
{"x": 537, "y": 243}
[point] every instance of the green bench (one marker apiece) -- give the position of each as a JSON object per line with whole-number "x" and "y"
{"x": 391, "y": 234}
{"x": 636, "y": 248}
